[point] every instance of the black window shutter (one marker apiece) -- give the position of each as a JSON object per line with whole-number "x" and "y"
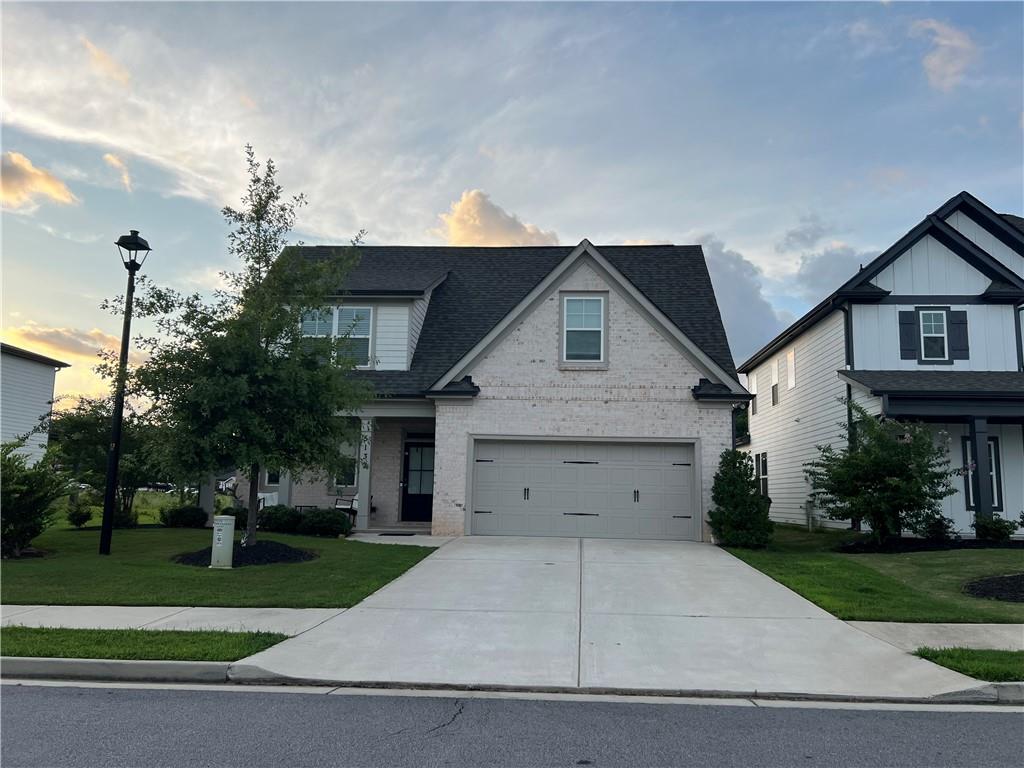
{"x": 959, "y": 348}
{"x": 908, "y": 335}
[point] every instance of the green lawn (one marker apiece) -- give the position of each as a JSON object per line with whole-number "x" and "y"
{"x": 140, "y": 572}
{"x": 172, "y": 645}
{"x": 918, "y": 586}
{"x": 993, "y": 666}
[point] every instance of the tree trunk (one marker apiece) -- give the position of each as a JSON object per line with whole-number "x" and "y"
{"x": 254, "y": 505}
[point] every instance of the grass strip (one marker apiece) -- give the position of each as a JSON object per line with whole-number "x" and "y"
{"x": 983, "y": 664}
{"x": 150, "y": 644}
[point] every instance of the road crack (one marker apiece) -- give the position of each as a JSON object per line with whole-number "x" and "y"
{"x": 459, "y": 707}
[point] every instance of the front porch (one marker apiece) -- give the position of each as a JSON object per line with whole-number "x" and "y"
{"x": 396, "y": 475}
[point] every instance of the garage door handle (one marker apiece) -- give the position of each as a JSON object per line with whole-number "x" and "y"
{"x": 682, "y": 517}
{"x": 582, "y": 514}
{"x": 636, "y": 495}
{"x": 681, "y": 464}
{"x": 581, "y": 462}
{"x": 482, "y": 512}
{"x": 526, "y": 494}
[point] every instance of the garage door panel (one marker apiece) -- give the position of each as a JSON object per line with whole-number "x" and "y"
{"x": 589, "y": 489}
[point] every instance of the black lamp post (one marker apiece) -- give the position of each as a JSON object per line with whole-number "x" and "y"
{"x": 130, "y": 247}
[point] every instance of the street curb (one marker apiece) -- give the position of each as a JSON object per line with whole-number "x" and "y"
{"x": 223, "y": 672}
{"x": 115, "y": 670}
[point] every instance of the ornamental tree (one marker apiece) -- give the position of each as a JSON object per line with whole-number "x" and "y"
{"x": 891, "y": 474}
{"x": 233, "y": 381}
{"x": 739, "y": 517}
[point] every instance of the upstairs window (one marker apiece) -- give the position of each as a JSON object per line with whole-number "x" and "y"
{"x": 791, "y": 369}
{"x": 752, "y": 387}
{"x": 934, "y": 337}
{"x": 357, "y": 324}
{"x": 775, "y": 381}
{"x": 272, "y": 477}
{"x": 583, "y": 324}
{"x": 318, "y": 322}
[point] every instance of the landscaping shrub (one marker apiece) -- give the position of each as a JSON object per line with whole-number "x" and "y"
{"x": 27, "y": 494}
{"x": 994, "y": 528}
{"x": 325, "y": 522}
{"x": 279, "y": 518}
{"x": 740, "y": 514}
{"x": 79, "y": 512}
{"x": 938, "y": 528}
{"x": 183, "y": 517}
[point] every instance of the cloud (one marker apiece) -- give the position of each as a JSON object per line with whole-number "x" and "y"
{"x": 475, "y": 220}
{"x": 646, "y": 241}
{"x": 75, "y": 346}
{"x": 117, "y": 163}
{"x": 21, "y": 184}
{"x": 821, "y": 273}
{"x": 952, "y": 53}
{"x": 804, "y": 235}
{"x": 105, "y": 64}
{"x": 750, "y": 320}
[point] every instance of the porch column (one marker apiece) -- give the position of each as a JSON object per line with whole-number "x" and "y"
{"x": 363, "y": 483}
{"x": 981, "y": 484}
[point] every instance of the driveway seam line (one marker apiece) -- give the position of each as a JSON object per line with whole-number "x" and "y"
{"x": 165, "y": 618}
{"x": 579, "y": 619}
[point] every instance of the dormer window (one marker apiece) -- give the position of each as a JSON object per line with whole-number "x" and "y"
{"x": 357, "y": 323}
{"x": 583, "y": 329}
{"x": 934, "y": 339}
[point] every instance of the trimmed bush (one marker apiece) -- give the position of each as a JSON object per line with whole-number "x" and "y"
{"x": 183, "y": 517}
{"x": 79, "y": 513}
{"x": 280, "y": 518}
{"x": 994, "y": 528}
{"x": 740, "y": 514}
{"x": 27, "y": 494}
{"x": 938, "y": 528}
{"x": 325, "y": 522}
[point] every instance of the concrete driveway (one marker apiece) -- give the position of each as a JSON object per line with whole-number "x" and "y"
{"x": 598, "y": 614}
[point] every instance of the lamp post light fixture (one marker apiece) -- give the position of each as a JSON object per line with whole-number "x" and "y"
{"x": 133, "y": 251}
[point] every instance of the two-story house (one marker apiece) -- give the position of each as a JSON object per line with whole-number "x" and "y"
{"x": 929, "y": 331}
{"x": 26, "y": 397}
{"x": 533, "y": 391}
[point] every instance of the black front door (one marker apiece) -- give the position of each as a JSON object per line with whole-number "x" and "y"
{"x": 418, "y": 482}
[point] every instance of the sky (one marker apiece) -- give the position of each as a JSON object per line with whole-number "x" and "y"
{"x": 794, "y": 141}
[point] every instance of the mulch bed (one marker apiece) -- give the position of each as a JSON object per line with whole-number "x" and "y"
{"x": 261, "y": 553}
{"x": 908, "y": 544}
{"x": 1009, "y": 588}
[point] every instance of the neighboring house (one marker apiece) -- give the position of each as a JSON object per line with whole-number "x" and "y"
{"x": 26, "y": 396}
{"x": 929, "y": 331}
{"x": 536, "y": 391}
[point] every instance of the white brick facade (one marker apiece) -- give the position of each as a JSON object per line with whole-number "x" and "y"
{"x": 644, "y": 393}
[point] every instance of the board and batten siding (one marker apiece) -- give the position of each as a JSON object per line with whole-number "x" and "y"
{"x": 929, "y": 267}
{"x": 990, "y": 333}
{"x": 807, "y": 415}
{"x": 985, "y": 240}
{"x": 26, "y": 394}
{"x": 417, "y": 313}
{"x": 391, "y": 345}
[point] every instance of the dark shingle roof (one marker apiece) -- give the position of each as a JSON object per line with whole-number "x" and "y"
{"x": 940, "y": 383}
{"x": 1016, "y": 221}
{"x": 482, "y": 285}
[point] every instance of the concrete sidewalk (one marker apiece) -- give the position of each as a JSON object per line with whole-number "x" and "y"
{"x": 287, "y": 621}
{"x": 910, "y": 636}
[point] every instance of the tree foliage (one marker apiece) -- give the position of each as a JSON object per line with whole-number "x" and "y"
{"x": 891, "y": 474}
{"x": 27, "y": 494}
{"x": 79, "y": 437}
{"x": 233, "y": 380}
{"x": 739, "y": 517}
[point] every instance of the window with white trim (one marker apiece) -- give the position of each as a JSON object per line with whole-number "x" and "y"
{"x": 272, "y": 477}
{"x": 752, "y": 388}
{"x": 583, "y": 329}
{"x": 790, "y": 369}
{"x": 761, "y": 472}
{"x": 995, "y": 477}
{"x": 356, "y": 323}
{"x": 934, "y": 335}
{"x": 775, "y": 381}
{"x": 318, "y": 322}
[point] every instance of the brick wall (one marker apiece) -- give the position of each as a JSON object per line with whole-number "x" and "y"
{"x": 645, "y": 392}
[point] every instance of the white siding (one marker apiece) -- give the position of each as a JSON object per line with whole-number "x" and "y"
{"x": 391, "y": 342}
{"x": 1011, "y": 461}
{"x": 929, "y": 267}
{"x": 807, "y": 415}
{"x": 990, "y": 331}
{"x": 26, "y": 392}
{"x": 417, "y": 313}
{"x": 988, "y": 242}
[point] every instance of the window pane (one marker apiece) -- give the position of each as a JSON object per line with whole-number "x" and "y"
{"x": 583, "y": 313}
{"x": 415, "y": 458}
{"x": 317, "y": 323}
{"x": 426, "y": 482}
{"x": 414, "y": 482}
{"x": 354, "y": 321}
{"x": 273, "y": 478}
{"x": 934, "y": 348}
{"x": 358, "y": 350}
{"x": 583, "y": 345}
{"x": 428, "y": 458}
{"x": 933, "y": 322}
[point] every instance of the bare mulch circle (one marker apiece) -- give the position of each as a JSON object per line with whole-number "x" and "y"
{"x": 261, "y": 553}
{"x": 1009, "y": 588}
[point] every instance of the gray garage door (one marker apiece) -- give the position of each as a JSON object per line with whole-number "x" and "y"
{"x": 604, "y": 490}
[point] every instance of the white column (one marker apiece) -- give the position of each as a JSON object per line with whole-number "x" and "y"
{"x": 363, "y": 487}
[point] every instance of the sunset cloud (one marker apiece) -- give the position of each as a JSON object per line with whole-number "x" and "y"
{"x": 105, "y": 64}
{"x": 475, "y": 220}
{"x": 22, "y": 184}
{"x": 117, "y": 163}
{"x": 953, "y": 51}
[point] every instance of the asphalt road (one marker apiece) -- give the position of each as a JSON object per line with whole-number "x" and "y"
{"x": 52, "y": 727}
